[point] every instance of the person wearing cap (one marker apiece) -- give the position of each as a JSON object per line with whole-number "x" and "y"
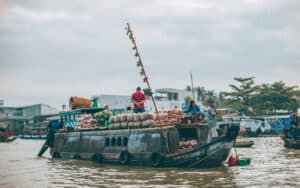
{"x": 212, "y": 120}
{"x": 138, "y": 98}
{"x": 186, "y": 105}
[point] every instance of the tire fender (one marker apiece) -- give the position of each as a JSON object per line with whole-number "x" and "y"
{"x": 156, "y": 159}
{"x": 124, "y": 157}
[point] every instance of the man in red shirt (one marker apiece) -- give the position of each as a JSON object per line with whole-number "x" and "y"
{"x": 138, "y": 98}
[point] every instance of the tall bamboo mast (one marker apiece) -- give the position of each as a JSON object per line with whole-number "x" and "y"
{"x": 145, "y": 77}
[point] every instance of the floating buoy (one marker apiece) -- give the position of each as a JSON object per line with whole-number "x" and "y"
{"x": 156, "y": 159}
{"x": 233, "y": 161}
{"x": 124, "y": 157}
{"x": 243, "y": 161}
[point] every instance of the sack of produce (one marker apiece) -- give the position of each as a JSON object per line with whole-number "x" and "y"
{"x": 118, "y": 118}
{"x": 147, "y": 123}
{"x": 137, "y": 117}
{"x": 179, "y": 112}
{"x": 146, "y": 116}
{"x": 160, "y": 115}
{"x": 123, "y": 118}
{"x": 112, "y": 119}
{"x": 112, "y": 125}
{"x": 173, "y": 120}
{"x": 91, "y": 121}
{"x": 117, "y": 125}
{"x": 131, "y": 124}
{"x": 130, "y": 117}
{"x": 137, "y": 124}
{"x": 172, "y": 116}
{"x": 124, "y": 125}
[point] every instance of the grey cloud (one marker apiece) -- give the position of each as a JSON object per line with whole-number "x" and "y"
{"x": 62, "y": 48}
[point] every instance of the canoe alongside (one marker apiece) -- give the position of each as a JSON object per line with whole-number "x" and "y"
{"x": 291, "y": 143}
{"x": 244, "y": 143}
{"x": 8, "y": 139}
{"x": 146, "y": 146}
{"x": 33, "y": 137}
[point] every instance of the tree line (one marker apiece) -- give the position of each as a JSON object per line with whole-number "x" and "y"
{"x": 254, "y": 99}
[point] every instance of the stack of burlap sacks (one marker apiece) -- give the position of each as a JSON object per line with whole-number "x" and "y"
{"x": 145, "y": 120}
{"x": 86, "y": 121}
{"x": 124, "y": 121}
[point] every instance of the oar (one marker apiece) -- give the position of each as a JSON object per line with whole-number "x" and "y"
{"x": 48, "y": 142}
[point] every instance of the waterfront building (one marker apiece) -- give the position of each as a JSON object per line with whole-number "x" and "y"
{"x": 17, "y": 118}
{"x": 166, "y": 98}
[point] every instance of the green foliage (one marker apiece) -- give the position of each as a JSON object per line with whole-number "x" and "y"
{"x": 148, "y": 92}
{"x": 188, "y": 88}
{"x": 273, "y": 97}
{"x": 203, "y": 95}
{"x": 264, "y": 99}
{"x": 252, "y": 99}
{"x": 241, "y": 98}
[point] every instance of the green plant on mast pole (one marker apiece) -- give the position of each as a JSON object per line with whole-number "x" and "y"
{"x": 145, "y": 77}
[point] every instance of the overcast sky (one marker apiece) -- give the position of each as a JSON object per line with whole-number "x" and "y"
{"x": 51, "y": 50}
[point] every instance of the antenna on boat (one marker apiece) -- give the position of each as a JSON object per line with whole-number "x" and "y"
{"x": 140, "y": 64}
{"x": 192, "y": 82}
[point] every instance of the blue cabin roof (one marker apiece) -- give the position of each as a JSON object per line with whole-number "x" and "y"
{"x": 81, "y": 111}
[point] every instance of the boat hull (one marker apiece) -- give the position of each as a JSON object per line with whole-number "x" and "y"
{"x": 145, "y": 147}
{"x": 210, "y": 155}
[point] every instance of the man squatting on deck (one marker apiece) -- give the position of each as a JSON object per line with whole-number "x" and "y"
{"x": 138, "y": 98}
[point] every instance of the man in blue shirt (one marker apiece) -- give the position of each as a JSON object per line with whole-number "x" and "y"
{"x": 195, "y": 111}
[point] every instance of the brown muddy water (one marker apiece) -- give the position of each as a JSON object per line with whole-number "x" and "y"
{"x": 272, "y": 166}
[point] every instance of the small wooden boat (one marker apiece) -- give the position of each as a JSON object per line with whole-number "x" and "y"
{"x": 291, "y": 136}
{"x": 8, "y": 139}
{"x": 291, "y": 143}
{"x": 244, "y": 144}
{"x": 33, "y": 137}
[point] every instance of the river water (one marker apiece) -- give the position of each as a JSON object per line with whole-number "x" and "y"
{"x": 272, "y": 165}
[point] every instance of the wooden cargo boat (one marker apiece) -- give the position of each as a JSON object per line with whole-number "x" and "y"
{"x": 146, "y": 146}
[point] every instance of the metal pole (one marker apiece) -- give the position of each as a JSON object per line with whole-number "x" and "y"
{"x": 193, "y": 91}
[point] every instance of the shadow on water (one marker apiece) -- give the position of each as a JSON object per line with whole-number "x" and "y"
{"x": 272, "y": 165}
{"x": 84, "y": 173}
